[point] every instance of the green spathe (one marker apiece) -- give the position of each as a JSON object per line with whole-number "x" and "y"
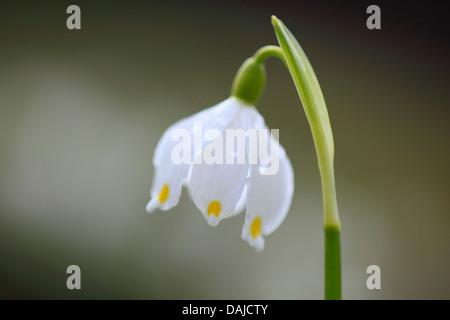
{"x": 310, "y": 93}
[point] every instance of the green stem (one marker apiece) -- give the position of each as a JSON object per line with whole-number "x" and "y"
{"x": 248, "y": 85}
{"x": 332, "y": 263}
{"x": 310, "y": 94}
{"x": 268, "y": 51}
{"x": 332, "y": 228}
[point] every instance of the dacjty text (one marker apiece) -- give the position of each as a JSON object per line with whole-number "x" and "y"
{"x": 240, "y": 310}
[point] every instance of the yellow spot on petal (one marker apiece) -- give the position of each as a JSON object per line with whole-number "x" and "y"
{"x": 255, "y": 228}
{"x": 214, "y": 208}
{"x": 164, "y": 194}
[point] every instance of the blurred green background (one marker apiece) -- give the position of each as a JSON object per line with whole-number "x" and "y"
{"x": 81, "y": 112}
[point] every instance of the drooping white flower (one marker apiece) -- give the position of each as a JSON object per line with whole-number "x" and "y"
{"x": 236, "y": 176}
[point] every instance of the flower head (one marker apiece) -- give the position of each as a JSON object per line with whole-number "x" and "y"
{"x": 213, "y": 154}
{"x": 229, "y": 160}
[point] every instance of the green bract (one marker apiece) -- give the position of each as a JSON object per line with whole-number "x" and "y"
{"x": 315, "y": 108}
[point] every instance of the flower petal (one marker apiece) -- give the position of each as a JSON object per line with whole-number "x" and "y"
{"x": 268, "y": 200}
{"x": 169, "y": 176}
{"x": 171, "y": 173}
{"x": 217, "y": 188}
{"x": 216, "y": 183}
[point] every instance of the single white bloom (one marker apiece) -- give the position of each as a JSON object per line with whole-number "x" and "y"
{"x": 221, "y": 190}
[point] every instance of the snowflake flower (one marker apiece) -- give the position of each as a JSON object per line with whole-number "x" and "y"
{"x": 220, "y": 190}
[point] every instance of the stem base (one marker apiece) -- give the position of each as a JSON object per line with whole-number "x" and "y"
{"x": 332, "y": 263}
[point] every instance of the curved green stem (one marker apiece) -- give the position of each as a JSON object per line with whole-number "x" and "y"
{"x": 268, "y": 51}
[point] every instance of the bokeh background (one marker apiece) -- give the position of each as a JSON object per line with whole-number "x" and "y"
{"x": 81, "y": 112}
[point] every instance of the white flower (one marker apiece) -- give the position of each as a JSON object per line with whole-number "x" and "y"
{"x": 221, "y": 189}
